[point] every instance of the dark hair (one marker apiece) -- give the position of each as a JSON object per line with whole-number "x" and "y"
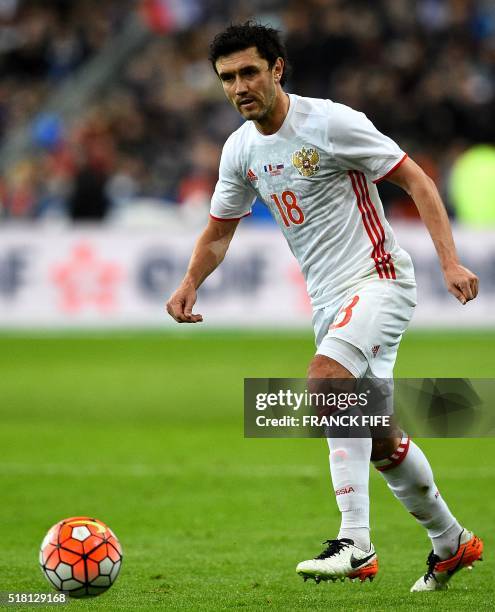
{"x": 238, "y": 37}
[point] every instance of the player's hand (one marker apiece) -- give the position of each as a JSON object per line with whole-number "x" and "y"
{"x": 461, "y": 282}
{"x": 181, "y": 303}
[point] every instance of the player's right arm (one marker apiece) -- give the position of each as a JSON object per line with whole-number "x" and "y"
{"x": 208, "y": 254}
{"x": 460, "y": 281}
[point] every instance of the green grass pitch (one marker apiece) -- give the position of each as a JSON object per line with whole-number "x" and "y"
{"x": 144, "y": 431}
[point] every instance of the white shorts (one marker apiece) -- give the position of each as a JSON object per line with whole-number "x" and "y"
{"x": 362, "y": 330}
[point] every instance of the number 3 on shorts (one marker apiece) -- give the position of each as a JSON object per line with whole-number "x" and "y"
{"x": 345, "y": 313}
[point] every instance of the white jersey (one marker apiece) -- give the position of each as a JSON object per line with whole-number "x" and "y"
{"x": 318, "y": 176}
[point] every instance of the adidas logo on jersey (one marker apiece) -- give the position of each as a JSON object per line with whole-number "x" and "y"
{"x": 251, "y": 176}
{"x": 375, "y": 349}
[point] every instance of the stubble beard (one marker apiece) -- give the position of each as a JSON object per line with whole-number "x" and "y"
{"x": 262, "y": 114}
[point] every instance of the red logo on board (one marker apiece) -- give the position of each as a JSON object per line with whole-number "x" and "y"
{"x": 86, "y": 280}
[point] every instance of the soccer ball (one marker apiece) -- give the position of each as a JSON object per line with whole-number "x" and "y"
{"x": 80, "y": 556}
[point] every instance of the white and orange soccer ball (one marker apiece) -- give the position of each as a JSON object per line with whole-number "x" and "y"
{"x": 81, "y": 556}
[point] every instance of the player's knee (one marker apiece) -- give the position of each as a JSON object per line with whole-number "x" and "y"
{"x": 327, "y": 376}
{"x": 325, "y": 367}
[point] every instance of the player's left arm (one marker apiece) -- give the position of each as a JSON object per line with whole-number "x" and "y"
{"x": 460, "y": 281}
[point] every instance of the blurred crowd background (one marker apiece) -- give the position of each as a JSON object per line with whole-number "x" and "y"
{"x": 149, "y": 134}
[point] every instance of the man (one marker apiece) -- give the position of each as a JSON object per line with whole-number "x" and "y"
{"x": 361, "y": 283}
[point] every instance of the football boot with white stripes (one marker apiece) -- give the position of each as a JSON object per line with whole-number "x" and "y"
{"x": 340, "y": 560}
{"x": 441, "y": 571}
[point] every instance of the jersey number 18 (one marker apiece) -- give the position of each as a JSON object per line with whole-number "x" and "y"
{"x": 290, "y": 211}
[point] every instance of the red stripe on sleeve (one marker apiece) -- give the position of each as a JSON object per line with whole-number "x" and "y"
{"x": 232, "y": 219}
{"x": 385, "y": 176}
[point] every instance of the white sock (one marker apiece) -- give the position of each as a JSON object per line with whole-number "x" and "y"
{"x": 409, "y": 477}
{"x": 349, "y": 467}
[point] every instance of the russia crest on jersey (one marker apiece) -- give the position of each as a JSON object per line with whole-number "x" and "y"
{"x": 306, "y": 161}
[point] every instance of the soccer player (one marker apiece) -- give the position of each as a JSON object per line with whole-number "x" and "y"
{"x": 316, "y": 163}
